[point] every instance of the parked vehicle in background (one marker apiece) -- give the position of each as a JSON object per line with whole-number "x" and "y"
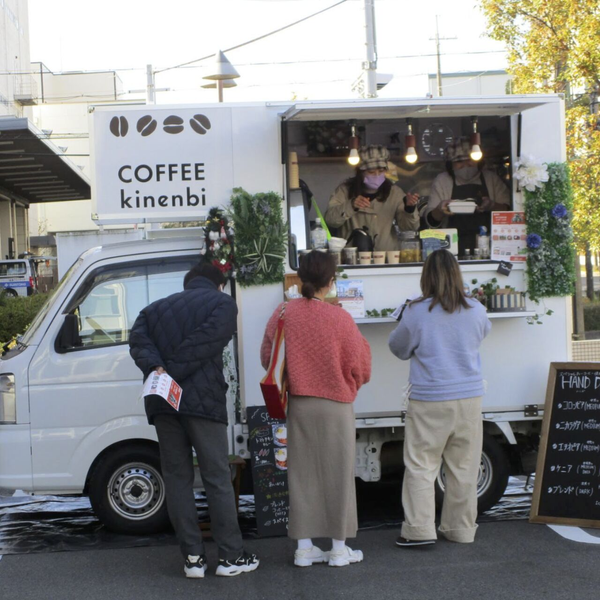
{"x": 18, "y": 277}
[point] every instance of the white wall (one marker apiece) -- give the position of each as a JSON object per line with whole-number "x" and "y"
{"x": 14, "y": 55}
{"x": 69, "y": 246}
{"x": 4, "y": 227}
{"x": 65, "y": 112}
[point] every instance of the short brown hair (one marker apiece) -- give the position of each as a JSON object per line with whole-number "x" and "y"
{"x": 316, "y": 270}
{"x": 441, "y": 280}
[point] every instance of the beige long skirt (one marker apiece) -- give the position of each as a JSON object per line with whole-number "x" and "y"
{"x": 321, "y": 454}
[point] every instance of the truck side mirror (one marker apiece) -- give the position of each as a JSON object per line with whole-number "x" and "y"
{"x": 68, "y": 337}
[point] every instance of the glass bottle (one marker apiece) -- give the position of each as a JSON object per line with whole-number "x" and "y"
{"x": 318, "y": 237}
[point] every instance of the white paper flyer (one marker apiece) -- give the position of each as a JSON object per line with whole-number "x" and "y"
{"x": 164, "y": 386}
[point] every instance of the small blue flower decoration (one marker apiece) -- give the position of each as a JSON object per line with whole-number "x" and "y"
{"x": 559, "y": 211}
{"x": 265, "y": 208}
{"x": 534, "y": 241}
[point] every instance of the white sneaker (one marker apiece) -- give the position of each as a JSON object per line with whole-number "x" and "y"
{"x": 195, "y": 567}
{"x": 306, "y": 558}
{"x": 344, "y": 557}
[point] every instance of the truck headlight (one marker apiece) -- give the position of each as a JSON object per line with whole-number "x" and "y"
{"x": 8, "y": 399}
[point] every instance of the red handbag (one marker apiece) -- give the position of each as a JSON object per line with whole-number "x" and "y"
{"x": 274, "y": 384}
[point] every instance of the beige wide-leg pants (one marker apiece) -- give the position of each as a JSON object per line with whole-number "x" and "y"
{"x": 452, "y": 430}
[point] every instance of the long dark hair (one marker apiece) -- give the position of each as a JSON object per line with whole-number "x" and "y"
{"x": 316, "y": 270}
{"x": 441, "y": 280}
{"x": 356, "y": 187}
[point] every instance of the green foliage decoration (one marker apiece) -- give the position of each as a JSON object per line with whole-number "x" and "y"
{"x": 551, "y": 250}
{"x": 260, "y": 237}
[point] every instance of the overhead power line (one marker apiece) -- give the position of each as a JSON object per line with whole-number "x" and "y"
{"x": 261, "y": 37}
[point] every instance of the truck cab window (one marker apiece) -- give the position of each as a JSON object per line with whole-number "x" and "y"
{"x": 109, "y": 301}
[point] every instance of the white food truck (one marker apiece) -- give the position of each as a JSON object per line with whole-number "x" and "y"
{"x": 71, "y": 420}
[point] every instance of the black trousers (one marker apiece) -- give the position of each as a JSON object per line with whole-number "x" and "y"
{"x": 177, "y": 435}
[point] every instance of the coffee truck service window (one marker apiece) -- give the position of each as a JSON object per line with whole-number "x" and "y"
{"x": 316, "y": 150}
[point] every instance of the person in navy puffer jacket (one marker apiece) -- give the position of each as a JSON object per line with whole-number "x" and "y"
{"x": 184, "y": 335}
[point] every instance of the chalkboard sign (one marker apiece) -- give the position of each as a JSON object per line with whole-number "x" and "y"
{"x": 567, "y": 482}
{"x": 268, "y": 447}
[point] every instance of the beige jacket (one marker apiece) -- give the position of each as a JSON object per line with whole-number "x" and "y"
{"x": 378, "y": 217}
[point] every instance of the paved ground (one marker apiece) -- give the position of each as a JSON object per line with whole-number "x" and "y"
{"x": 509, "y": 560}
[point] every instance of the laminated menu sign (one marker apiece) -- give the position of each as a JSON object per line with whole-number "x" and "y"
{"x": 351, "y": 296}
{"x": 567, "y": 483}
{"x": 268, "y": 447}
{"x": 164, "y": 386}
{"x": 509, "y": 236}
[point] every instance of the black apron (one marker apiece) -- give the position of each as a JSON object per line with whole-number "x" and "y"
{"x": 468, "y": 225}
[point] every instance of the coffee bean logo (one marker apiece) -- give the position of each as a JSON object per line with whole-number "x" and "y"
{"x": 146, "y": 125}
{"x": 119, "y": 126}
{"x": 200, "y": 124}
{"x": 173, "y": 124}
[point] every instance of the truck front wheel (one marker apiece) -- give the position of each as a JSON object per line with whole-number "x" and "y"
{"x": 127, "y": 491}
{"x": 493, "y": 475}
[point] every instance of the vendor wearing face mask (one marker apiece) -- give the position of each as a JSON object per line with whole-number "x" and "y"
{"x": 465, "y": 179}
{"x": 370, "y": 199}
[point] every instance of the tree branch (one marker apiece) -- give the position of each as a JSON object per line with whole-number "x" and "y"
{"x": 542, "y": 22}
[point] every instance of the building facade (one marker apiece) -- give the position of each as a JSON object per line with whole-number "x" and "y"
{"x": 32, "y": 169}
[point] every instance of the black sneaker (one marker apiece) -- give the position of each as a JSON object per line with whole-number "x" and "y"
{"x": 195, "y": 566}
{"x": 244, "y": 564}
{"x": 404, "y": 543}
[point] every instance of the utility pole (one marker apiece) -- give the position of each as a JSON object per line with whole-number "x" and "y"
{"x": 370, "y": 65}
{"x": 150, "y": 87}
{"x": 437, "y": 39}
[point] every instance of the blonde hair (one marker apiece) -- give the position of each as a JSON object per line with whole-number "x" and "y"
{"x": 441, "y": 280}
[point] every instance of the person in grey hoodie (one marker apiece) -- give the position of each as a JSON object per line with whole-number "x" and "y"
{"x": 441, "y": 332}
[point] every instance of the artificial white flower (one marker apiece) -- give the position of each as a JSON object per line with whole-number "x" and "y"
{"x": 213, "y": 236}
{"x": 531, "y": 173}
{"x": 216, "y": 246}
{"x": 203, "y": 251}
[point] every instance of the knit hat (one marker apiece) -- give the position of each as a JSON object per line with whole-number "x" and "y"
{"x": 458, "y": 150}
{"x": 373, "y": 157}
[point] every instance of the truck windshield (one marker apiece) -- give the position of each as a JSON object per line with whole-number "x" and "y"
{"x": 10, "y": 269}
{"x": 26, "y": 338}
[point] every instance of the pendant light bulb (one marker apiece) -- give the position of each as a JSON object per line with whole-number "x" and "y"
{"x": 476, "y": 153}
{"x": 353, "y": 143}
{"x": 411, "y": 156}
{"x": 410, "y": 142}
{"x": 353, "y": 157}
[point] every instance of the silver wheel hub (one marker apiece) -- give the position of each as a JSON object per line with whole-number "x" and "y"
{"x": 484, "y": 479}
{"x": 136, "y": 491}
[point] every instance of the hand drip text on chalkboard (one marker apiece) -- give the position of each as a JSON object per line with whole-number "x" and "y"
{"x": 567, "y": 486}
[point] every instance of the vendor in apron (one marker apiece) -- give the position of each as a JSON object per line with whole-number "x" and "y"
{"x": 465, "y": 179}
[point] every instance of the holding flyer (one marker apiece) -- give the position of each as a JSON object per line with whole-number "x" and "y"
{"x": 160, "y": 384}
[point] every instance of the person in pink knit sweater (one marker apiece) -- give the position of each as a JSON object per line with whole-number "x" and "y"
{"x": 327, "y": 361}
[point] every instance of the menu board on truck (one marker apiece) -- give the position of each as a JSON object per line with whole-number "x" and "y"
{"x": 509, "y": 236}
{"x": 268, "y": 447}
{"x": 567, "y": 481}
